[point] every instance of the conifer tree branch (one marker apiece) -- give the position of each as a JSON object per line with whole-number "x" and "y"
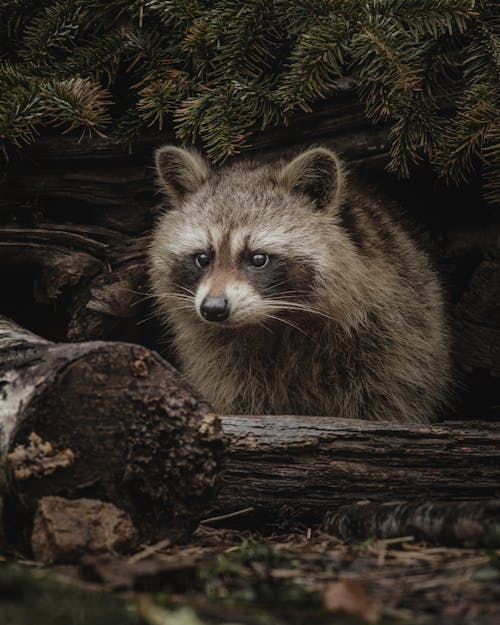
{"x": 214, "y": 71}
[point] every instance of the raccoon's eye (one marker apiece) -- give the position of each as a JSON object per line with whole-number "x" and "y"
{"x": 259, "y": 260}
{"x": 202, "y": 260}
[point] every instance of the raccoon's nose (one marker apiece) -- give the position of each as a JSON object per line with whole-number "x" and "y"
{"x": 215, "y": 308}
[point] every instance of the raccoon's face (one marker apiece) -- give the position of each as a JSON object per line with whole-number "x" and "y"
{"x": 243, "y": 245}
{"x": 233, "y": 280}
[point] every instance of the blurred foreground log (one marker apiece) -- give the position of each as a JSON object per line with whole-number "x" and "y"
{"x": 293, "y": 469}
{"x": 112, "y": 421}
{"x": 473, "y": 523}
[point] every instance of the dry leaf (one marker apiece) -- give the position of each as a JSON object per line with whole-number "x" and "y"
{"x": 349, "y": 596}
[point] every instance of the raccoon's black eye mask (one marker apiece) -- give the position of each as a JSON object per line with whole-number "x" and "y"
{"x": 268, "y": 274}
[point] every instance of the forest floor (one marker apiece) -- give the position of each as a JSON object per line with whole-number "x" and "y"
{"x": 231, "y": 577}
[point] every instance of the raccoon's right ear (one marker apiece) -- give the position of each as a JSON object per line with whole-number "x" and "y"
{"x": 180, "y": 171}
{"x": 316, "y": 174}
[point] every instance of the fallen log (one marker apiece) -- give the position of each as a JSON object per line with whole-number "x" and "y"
{"x": 86, "y": 281}
{"x": 294, "y": 469}
{"x": 473, "y": 523}
{"x": 109, "y": 421}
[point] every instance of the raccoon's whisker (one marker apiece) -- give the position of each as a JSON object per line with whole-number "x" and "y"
{"x": 145, "y": 320}
{"x": 182, "y": 305}
{"x": 140, "y": 293}
{"x": 143, "y": 299}
{"x": 135, "y": 292}
{"x": 263, "y": 325}
{"x": 159, "y": 310}
{"x": 286, "y": 294}
{"x": 175, "y": 294}
{"x": 179, "y": 296}
{"x": 145, "y": 296}
{"x": 313, "y": 311}
{"x": 297, "y": 306}
{"x": 282, "y": 293}
{"x": 171, "y": 308}
{"x": 288, "y": 323}
{"x": 179, "y": 286}
{"x": 275, "y": 286}
{"x": 272, "y": 288}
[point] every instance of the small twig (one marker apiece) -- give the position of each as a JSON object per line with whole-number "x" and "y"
{"x": 149, "y": 550}
{"x": 395, "y": 541}
{"x": 231, "y": 515}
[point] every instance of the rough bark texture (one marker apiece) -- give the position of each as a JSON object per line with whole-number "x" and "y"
{"x": 444, "y": 522}
{"x": 112, "y": 421}
{"x": 295, "y": 469}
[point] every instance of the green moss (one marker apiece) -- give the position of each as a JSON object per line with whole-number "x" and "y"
{"x": 29, "y": 597}
{"x": 245, "y": 576}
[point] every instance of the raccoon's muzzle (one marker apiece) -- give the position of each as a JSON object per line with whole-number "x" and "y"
{"x": 215, "y": 308}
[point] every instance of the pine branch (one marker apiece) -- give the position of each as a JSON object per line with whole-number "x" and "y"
{"x": 53, "y": 32}
{"x": 77, "y": 103}
{"x": 99, "y": 59}
{"x": 415, "y": 134}
{"x": 248, "y": 27}
{"x": 128, "y": 128}
{"x": 224, "y": 127}
{"x": 316, "y": 61}
{"x": 20, "y": 113}
{"x": 386, "y": 64}
{"x": 214, "y": 70}
{"x": 491, "y": 157}
{"x": 425, "y": 17}
{"x": 161, "y": 96}
{"x": 218, "y": 115}
{"x": 463, "y": 139}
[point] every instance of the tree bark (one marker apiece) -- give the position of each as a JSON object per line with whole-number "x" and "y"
{"x": 445, "y": 522}
{"x": 112, "y": 421}
{"x": 77, "y": 283}
{"x": 293, "y": 469}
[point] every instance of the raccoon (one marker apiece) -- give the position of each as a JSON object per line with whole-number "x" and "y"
{"x": 290, "y": 290}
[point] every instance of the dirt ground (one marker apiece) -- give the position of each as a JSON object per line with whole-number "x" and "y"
{"x": 235, "y": 577}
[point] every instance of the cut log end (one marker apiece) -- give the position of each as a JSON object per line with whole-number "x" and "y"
{"x": 110, "y": 421}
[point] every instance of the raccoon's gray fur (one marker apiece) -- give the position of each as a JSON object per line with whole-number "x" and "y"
{"x": 289, "y": 291}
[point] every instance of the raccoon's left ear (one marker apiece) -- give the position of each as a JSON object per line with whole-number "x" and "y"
{"x": 180, "y": 171}
{"x": 316, "y": 174}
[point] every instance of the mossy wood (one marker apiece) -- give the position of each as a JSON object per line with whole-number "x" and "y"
{"x": 110, "y": 421}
